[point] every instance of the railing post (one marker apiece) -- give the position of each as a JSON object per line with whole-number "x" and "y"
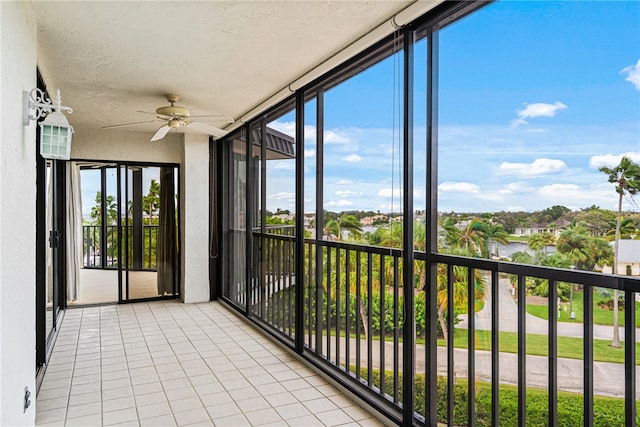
{"x": 495, "y": 348}
{"x": 587, "y": 319}
{"x": 553, "y": 352}
{"x": 471, "y": 347}
{"x": 522, "y": 351}
{"x": 629, "y": 355}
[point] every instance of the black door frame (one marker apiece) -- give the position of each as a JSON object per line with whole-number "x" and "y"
{"x": 55, "y": 241}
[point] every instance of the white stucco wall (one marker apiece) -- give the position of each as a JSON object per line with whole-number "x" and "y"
{"x": 113, "y": 144}
{"x": 194, "y": 183}
{"x": 17, "y": 215}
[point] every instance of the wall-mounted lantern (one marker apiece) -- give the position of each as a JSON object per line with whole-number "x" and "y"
{"x": 55, "y": 131}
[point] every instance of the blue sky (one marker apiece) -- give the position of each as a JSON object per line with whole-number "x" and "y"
{"x": 533, "y": 98}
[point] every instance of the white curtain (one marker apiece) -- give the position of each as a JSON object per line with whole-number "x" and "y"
{"x": 73, "y": 227}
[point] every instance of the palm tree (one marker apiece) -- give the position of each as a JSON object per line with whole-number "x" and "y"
{"x": 494, "y": 233}
{"x": 473, "y": 237}
{"x": 460, "y": 290}
{"x": 151, "y": 202}
{"x": 626, "y": 177}
{"x": 344, "y": 223}
{"x": 540, "y": 241}
{"x": 389, "y": 236}
{"x": 627, "y": 228}
{"x": 352, "y": 279}
{"x": 575, "y": 242}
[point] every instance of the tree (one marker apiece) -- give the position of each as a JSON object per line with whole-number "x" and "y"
{"x": 627, "y": 228}
{"x": 494, "y": 233}
{"x": 599, "y": 221}
{"x": 344, "y": 223}
{"x": 460, "y": 290}
{"x": 536, "y": 242}
{"x": 111, "y": 208}
{"x": 575, "y": 243}
{"x": 389, "y": 236}
{"x": 626, "y": 178}
{"x": 151, "y": 202}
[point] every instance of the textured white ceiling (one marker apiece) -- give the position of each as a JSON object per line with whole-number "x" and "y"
{"x": 111, "y": 59}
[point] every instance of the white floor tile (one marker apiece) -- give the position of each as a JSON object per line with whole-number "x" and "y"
{"x": 122, "y": 365}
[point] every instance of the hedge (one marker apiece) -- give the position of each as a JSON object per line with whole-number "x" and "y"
{"x": 607, "y": 411}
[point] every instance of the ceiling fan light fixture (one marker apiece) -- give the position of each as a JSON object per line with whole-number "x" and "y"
{"x": 174, "y": 123}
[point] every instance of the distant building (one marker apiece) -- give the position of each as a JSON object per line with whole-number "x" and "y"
{"x": 373, "y": 220}
{"x": 628, "y": 258}
{"x": 554, "y": 228}
{"x": 285, "y": 216}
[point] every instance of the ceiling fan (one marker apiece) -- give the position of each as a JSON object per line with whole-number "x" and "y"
{"x": 175, "y": 117}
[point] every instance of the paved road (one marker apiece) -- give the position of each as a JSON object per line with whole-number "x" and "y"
{"x": 535, "y": 325}
{"x": 608, "y": 378}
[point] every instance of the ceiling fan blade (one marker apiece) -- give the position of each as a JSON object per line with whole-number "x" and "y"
{"x": 127, "y": 124}
{"x": 161, "y": 133}
{"x": 210, "y": 130}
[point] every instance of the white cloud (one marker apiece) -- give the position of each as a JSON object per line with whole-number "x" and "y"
{"x": 287, "y": 165}
{"x": 388, "y": 192}
{"x": 611, "y": 160}
{"x": 288, "y": 128}
{"x": 343, "y": 193}
{"x": 633, "y": 74}
{"x": 515, "y": 208}
{"x": 559, "y": 190}
{"x": 390, "y": 207}
{"x": 336, "y": 137}
{"x": 310, "y": 153}
{"x": 538, "y": 109}
{"x": 517, "y": 188}
{"x": 459, "y": 187}
{"x": 491, "y": 197}
{"x": 340, "y": 203}
{"x": 536, "y": 168}
{"x": 283, "y": 196}
{"x": 352, "y": 158}
{"x": 344, "y": 182}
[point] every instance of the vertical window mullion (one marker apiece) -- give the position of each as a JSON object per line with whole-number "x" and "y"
{"x": 431, "y": 366}
{"x": 408, "y": 331}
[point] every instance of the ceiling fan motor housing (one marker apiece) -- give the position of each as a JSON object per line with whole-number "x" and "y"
{"x": 173, "y": 111}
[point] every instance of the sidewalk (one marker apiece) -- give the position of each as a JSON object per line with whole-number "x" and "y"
{"x": 534, "y": 325}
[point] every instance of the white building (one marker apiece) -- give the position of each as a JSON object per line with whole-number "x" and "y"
{"x": 628, "y": 258}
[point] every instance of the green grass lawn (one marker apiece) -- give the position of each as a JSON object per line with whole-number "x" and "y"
{"x": 600, "y": 316}
{"x": 569, "y": 348}
{"x": 513, "y": 238}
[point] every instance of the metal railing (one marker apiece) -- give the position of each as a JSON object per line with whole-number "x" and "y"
{"x": 93, "y": 247}
{"x": 353, "y": 322}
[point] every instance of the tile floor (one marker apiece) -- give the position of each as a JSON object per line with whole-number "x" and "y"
{"x": 172, "y": 364}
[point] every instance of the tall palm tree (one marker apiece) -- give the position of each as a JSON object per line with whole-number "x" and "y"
{"x": 626, "y": 177}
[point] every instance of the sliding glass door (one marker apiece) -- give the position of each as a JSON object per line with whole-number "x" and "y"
{"x": 130, "y": 233}
{"x": 148, "y": 261}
